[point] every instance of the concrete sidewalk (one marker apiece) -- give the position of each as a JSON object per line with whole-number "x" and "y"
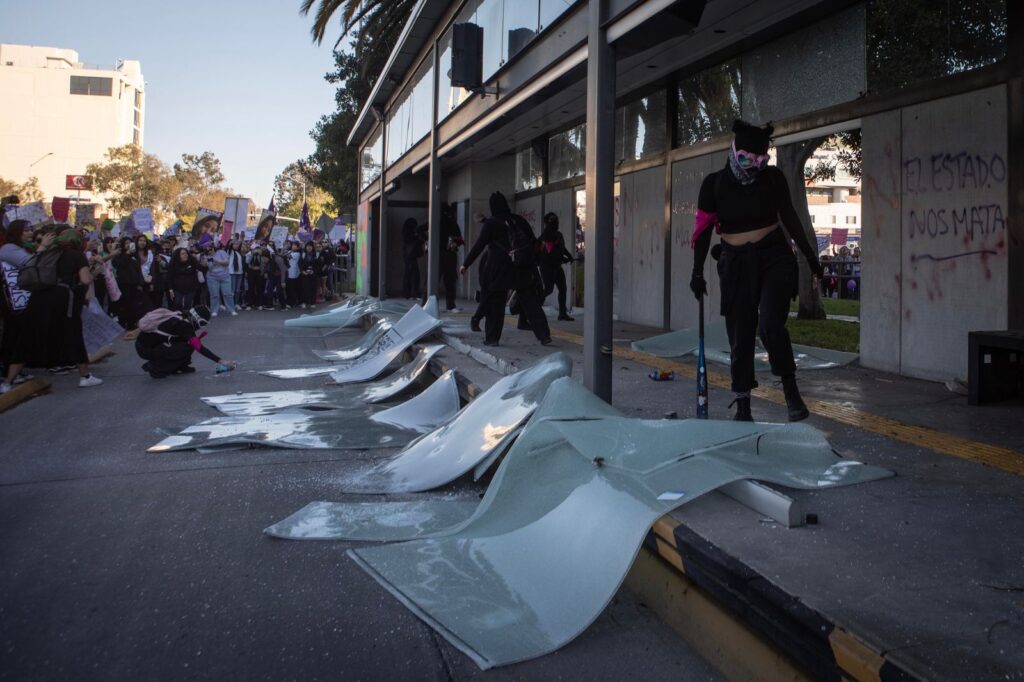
{"x": 925, "y": 569}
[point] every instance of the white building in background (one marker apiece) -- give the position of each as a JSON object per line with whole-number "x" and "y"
{"x": 834, "y": 204}
{"x": 60, "y": 115}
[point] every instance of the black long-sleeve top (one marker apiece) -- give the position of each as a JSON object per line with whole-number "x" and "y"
{"x": 742, "y": 208}
{"x": 552, "y": 248}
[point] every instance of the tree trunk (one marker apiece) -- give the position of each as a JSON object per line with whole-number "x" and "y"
{"x": 790, "y": 159}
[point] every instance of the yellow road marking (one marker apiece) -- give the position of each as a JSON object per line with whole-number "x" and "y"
{"x": 1005, "y": 459}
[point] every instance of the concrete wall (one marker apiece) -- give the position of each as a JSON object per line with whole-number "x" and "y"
{"x": 639, "y": 262}
{"x": 881, "y": 307}
{"x": 949, "y": 190}
{"x": 686, "y": 179}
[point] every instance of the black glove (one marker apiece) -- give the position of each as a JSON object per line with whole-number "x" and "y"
{"x": 698, "y": 285}
{"x": 816, "y": 269}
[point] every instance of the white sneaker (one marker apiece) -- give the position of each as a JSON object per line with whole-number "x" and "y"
{"x": 234, "y": 313}
{"x": 86, "y": 382}
{"x": 4, "y": 387}
{"x": 213, "y": 314}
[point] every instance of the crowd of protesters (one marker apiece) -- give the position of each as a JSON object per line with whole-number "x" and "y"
{"x": 129, "y": 276}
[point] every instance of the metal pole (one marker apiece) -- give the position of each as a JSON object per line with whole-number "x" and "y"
{"x": 600, "y": 167}
{"x": 382, "y": 235}
{"x": 434, "y": 197}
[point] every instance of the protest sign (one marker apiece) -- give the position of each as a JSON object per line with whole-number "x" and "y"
{"x": 325, "y": 223}
{"x": 143, "y": 218}
{"x": 35, "y": 213}
{"x": 85, "y": 214}
{"x": 18, "y": 298}
{"x": 279, "y": 234}
{"x": 60, "y": 207}
{"x": 265, "y": 224}
{"x": 839, "y": 235}
{"x": 97, "y": 328}
{"x": 236, "y": 210}
{"x": 226, "y": 230}
{"x": 206, "y": 221}
{"x": 250, "y": 233}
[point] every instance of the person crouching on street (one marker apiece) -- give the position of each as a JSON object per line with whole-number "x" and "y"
{"x": 168, "y": 338}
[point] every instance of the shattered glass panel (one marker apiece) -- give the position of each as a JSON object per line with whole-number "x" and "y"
{"x": 354, "y": 428}
{"x": 811, "y": 69}
{"x": 361, "y": 347}
{"x": 414, "y": 325}
{"x": 301, "y": 372}
{"x": 707, "y": 103}
{"x": 380, "y": 521}
{"x": 343, "y": 316}
{"x": 458, "y": 446}
{"x": 523, "y": 576}
{"x": 253, "y": 404}
{"x": 716, "y": 349}
{"x": 401, "y": 380}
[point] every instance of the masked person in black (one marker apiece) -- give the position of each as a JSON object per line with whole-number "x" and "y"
{"x": 168, "y": 338}
{"x": 553, "y": 255}
{"x": 745, "y": 202}
{"x": 412, "y": 245}
{"x": 451, "y": 240}
{"x": 511, "y": 264}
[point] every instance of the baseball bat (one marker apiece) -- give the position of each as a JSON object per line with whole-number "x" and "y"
{"x": 702, "y": 369}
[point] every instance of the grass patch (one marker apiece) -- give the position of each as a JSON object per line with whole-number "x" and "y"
{"x": 835, "y": 306}
{"x": 833, "y": 334}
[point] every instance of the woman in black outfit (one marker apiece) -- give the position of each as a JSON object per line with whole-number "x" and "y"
{"x": 309, "y": 265}
{"x": 553, "y": 255}
{"x": 52, "y": 335}
{"x": 128, "y": 274}
{"x": 184, "y": 279}
{"x": 748, "y": 203}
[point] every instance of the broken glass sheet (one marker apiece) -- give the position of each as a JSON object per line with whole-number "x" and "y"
{"x": 414, "y": 325}
{"x": 350, "y": 429}
{"x": 349, "y": 521}
{"x": 482, "y": 426}
{"x": 268, "y": 402}
{"x": 400, "y": 381}
{"x": 378, "y": 521}
{"x": 716, "y": 349}
{"x": 360, "y": 347}
{"x": 301, "y": 372}
{"x": 344, "y": 315}
{"x": 564, "y": 517}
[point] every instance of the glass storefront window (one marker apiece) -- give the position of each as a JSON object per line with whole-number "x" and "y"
{"x": 640, "y": 128}
{"x": 371, "y": 158}
{"x": 567, "y": 153}
{"x": 707, "y": 103}
{"x": 912, "y": 40}
{"x": 520, "y": 26}
{"x": 422, "y": 101}
{"x": 529, "y": 170}
{"x": 489, "y": 17}
{"x": 550, "y": 10}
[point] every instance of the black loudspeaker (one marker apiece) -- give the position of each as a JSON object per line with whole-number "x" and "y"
{"x": 690, "y": 11}
{"x": 467, "y": 56}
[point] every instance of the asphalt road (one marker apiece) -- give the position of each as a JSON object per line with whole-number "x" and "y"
{"x": 118, "y": 564}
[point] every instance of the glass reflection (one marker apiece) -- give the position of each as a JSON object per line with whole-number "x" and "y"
{"x": 640, "y": 128}
{"x": 520, "y": 24}
{"x": 567, "y": 153}
{"x": 707, "y": 103}
{"x": 371, "y": 159}
{"x": 489, "y": 17}
{"x": 909, "y": 41}
{"x": 550, "y": 10}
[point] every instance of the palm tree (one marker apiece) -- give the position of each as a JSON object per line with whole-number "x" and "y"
{"x": 383, "y": 18}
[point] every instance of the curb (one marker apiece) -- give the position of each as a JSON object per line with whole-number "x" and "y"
{"x": 813, "y": 642}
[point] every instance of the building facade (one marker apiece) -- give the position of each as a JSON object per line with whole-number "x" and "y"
{"x": 61, "y": 115}
{"x": 610, "y": 114}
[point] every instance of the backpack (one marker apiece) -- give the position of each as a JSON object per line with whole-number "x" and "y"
{"x": 40, "y": 272}
{"x": 522, "y": 245}
{"x": 152, "y": 320}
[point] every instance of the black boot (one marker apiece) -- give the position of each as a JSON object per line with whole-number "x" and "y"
{"x": 742, "y": 404}
{"x": 794, "y": 403}
{"x": 565, "y": 317}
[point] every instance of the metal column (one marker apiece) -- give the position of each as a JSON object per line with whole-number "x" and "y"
{"x": 600, "y": 166}
{"x": 382, "y": 241}
{"x": 434, "y": 198}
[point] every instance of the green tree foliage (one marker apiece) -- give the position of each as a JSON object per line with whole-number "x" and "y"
{"x": 130, "y": 179}
{"x": 26, "y": 192}
{"x": 847, "y": 146}
{"x": 375, "y": 26}
{"x": 199, "y": 179}
{"x": 288, "y": 192}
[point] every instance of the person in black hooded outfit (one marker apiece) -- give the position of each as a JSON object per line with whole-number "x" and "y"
{"x": 167, "y": 348}
{"x": 451, "y": 240}
{"x": 511, "y": 264}
{"x": 412, "y": 249}
{"x": 749, "y": 203}
{"x": 553, "y": 255}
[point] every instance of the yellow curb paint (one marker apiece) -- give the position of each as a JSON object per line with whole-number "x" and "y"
{"x": 22, "y": 392}
{"x": 856, "y": 658}
{"x": 1005, "y": 459}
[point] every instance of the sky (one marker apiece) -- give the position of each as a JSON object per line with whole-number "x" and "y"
{"x": 240, "y": 78}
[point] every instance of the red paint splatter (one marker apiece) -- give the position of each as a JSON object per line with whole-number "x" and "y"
{"x": 907, "y": 314}
{"x": 988, "y": 273}
{"x": 897, "y": 278}
{"x": 913, "y": 284}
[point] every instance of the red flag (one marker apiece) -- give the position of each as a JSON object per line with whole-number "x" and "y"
{"x": 60, "y": 208}
{"x": 839, "y": 235}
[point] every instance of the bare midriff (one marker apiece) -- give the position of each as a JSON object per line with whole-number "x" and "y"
{"x": 740, "y": 238}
